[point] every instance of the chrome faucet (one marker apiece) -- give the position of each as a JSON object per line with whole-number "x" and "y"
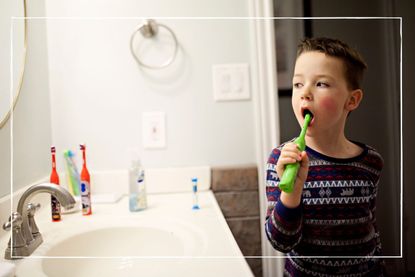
{"x": 25, "y": 236}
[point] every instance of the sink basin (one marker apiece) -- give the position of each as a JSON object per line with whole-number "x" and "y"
{"x": 116, "y": 251}
{"x": 120, "y": 242}
{"x": 120, "y": 267}
{"x": 116, "y": 247}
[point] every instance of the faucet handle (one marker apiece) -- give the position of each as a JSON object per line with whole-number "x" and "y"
{"x": 32, "y": 208}
{"x": 15, "y": 221}
{"x": 16, "y": 239}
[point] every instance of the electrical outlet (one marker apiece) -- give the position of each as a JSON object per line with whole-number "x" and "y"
{"x": 154, "y": 130}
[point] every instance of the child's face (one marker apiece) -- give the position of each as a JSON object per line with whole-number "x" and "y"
{"x": 320, "y": 86}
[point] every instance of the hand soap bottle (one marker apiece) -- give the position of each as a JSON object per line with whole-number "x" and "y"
{"x": 138, "y": 195}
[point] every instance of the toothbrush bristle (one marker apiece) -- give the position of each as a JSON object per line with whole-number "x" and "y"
{"x": 306, "y": 112}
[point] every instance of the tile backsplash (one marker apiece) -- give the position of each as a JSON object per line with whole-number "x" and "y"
{"x": 236, "y": 190}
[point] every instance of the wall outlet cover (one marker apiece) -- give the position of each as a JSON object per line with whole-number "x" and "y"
{"x": 154, "y": 130}
{"x": 231, "y": 82}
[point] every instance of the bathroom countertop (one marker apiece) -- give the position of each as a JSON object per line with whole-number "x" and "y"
{"x": 209, "y": 247}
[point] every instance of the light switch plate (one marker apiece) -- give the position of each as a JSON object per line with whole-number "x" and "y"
{"x": 154, "y": 130}
{"x": 231, "y": 82}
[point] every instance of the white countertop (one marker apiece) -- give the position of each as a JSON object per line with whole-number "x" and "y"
{"x": 209, "y": 248}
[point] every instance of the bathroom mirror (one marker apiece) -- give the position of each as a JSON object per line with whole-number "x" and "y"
{"x": 12, "y": 49}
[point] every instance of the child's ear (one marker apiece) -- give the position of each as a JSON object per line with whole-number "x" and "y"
{"x": 354, "y": 99}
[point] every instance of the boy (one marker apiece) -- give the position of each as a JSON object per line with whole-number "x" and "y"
{"x": 331, "y": 211}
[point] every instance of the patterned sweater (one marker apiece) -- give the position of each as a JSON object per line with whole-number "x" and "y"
{"x": 336, "y": 217}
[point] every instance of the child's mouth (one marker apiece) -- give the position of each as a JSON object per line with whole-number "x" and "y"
{"x": 307, "y": 111}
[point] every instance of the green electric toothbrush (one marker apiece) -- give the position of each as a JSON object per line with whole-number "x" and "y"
{"x": 291, "y": 170}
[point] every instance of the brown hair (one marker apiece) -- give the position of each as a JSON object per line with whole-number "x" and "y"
{"x": 353, "y": 61}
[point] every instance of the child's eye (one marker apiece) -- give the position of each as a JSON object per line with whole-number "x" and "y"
{"x": 322, "y": 84}
{"x": 297, "y": 85}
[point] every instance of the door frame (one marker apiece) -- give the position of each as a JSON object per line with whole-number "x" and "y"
{"x": 266, "y": 113}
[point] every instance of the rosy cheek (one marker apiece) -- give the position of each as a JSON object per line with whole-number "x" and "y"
{"x": 329, "y": 105}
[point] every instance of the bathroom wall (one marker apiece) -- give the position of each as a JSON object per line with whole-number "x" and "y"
{"x": 98, "y": 92}
{"x": 31, "y": 117}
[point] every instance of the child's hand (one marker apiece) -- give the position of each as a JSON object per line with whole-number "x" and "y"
{"x": 303, "y": 170}
{"x": 291, "y": 154}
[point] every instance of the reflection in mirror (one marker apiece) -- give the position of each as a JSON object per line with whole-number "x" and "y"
{"x": 93, "y": 92}
{"x": 12, "y": 25}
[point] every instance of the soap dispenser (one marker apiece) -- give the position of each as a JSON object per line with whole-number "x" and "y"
{"x": 137, "y": 195}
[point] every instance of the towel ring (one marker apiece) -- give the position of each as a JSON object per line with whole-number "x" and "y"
{"x": 149, "y": 29}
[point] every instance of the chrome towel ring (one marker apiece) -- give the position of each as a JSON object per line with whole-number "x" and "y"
{"x": 148, "y": 29}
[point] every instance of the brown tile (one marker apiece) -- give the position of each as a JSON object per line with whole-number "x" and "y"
{"x": 240, "y": 178}
{"x": 238, "y": 203}
{"x": 247, "y": 232}
{"x": 256, "y": 266}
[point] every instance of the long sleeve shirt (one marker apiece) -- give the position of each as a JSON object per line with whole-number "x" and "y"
{"x": 333, "y": 231}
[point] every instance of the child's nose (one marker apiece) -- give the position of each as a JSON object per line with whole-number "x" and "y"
{"x": 306, "y": 94}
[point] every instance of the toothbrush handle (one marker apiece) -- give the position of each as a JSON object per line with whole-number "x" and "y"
{"x": 288, "y": 177}
{"x": 291, "y": 170}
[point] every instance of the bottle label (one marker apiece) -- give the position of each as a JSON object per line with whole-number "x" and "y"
{"x": 56, "y": 209}
{"x": 86, "y": 198}
{"x": 138, "y": 200}
{"x": 140, "y": 176}
{"x": 142, "y": 195}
